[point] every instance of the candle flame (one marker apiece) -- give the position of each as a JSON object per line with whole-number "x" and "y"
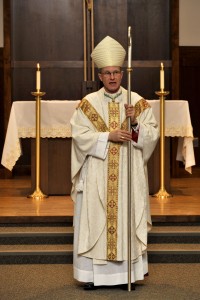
{"x": 162, "y": 66}
{"x": 38, "y": 66}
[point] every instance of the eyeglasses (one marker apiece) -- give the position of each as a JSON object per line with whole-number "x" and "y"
{"x": 108, "y": 73}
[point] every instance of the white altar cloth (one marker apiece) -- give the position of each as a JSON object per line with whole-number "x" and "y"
{"x": 55, "y": 123}
{"x": 178, "y": 124}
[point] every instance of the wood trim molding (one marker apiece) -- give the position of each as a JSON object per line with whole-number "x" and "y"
{"x": 7, "y": 102}
{"x": 175, "y": 49}
{"x": 79, "y": 64}
{"x": 6, "y": 62}
{"x": 175, "y": 73}
{"x": 189, "y": 56}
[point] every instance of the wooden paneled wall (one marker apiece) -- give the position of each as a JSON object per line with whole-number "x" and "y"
{"x": 51, "y": 32}
{"x": 190, "y": 88}
{"x": 1, "y": 100}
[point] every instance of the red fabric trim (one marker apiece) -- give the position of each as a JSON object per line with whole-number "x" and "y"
{"x": 135, "y": 135}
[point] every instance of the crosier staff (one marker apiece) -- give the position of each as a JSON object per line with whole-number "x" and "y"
{"x": 129, "y": 70}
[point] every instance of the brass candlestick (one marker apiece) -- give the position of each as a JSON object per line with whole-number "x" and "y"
{"x": 162, "y": 193}
{"x": 38, "y": 194}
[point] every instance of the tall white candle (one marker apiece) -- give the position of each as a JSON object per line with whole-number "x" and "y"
{"x": 38, "y": 77}
{"x": 162, "y": 77}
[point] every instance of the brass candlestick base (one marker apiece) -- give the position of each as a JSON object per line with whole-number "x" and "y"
{"x": 38, "y": 194}
{"x": 162, "y": 193}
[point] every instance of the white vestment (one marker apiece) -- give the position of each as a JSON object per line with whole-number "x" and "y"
{"x": 89, "y": 191}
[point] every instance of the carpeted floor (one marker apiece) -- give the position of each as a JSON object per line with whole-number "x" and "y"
{"x": 55, "y": 282}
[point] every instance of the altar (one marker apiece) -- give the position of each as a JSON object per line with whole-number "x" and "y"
{"x": 56, "y": 141}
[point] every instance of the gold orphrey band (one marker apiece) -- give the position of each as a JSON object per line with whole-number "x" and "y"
{"x": 112, "y": 186}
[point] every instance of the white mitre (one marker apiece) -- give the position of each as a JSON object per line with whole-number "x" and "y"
{"x": 108, "y": 53}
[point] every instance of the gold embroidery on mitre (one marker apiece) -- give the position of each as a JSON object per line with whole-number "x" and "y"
{"x": 112, "y": 186}
{"x": 140, "y": 106}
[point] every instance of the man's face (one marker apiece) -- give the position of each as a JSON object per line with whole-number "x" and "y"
{"x": 111, "y": 78}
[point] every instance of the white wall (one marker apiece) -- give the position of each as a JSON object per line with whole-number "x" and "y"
{"x": 189, "y": 22}
{"x": 1, "y": 23}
